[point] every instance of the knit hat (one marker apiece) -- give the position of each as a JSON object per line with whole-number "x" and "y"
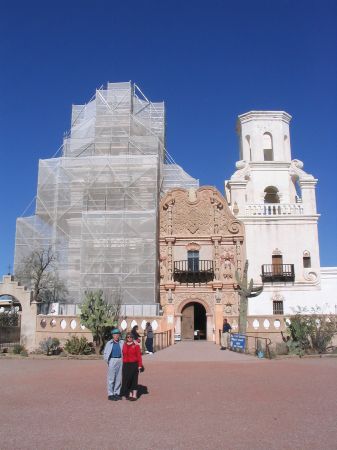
{"x": 115, "y": 331}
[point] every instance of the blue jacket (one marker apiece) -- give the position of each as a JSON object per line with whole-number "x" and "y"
{"x": 108, "y": 349}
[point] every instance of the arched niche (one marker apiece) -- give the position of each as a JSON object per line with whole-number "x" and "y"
{"x": 271, "y": 195}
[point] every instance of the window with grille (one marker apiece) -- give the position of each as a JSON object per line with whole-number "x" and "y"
{"x": 278, "y": 307}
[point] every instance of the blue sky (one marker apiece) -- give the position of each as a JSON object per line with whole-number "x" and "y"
{"x": 208, "y": 60}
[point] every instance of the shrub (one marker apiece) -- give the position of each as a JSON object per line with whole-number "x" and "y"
{"x": 295, "y": 348}
{"x": 99, "y": 313}
{"x": 18, "y": 349}
{"x": 311, "y": 332}
{"x": 50, "y": 346}
{"x": 78, "y": 346}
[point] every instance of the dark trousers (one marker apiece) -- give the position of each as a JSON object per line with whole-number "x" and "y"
{"x": 149, "y": 344}
{"x": 129, "y": 377}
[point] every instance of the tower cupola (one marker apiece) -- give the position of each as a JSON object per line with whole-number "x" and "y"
{"x": 264, "y": 136}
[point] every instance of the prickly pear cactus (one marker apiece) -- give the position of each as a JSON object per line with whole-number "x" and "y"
{"x": 246, "y": 290}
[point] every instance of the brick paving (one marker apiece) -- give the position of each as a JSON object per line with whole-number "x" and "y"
{"x": 198, "y": 398}
{"x": 199, "y": 351}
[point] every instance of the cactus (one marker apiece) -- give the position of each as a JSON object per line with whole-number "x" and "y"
{"x": 245, "y": 291}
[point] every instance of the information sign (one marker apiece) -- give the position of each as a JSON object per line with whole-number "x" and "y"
{"x": 238, "y": 341}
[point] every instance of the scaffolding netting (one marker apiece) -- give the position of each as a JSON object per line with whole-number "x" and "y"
{"x": 97, "y": 204}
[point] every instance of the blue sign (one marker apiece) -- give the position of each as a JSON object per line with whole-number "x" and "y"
{"x": 238, "y": 341}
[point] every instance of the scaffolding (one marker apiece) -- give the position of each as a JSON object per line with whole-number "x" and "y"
{"x": 97, "y": 204}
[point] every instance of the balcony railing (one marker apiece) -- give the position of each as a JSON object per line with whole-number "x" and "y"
{"x": 274, "y": 209}
{"x": 192, "y": 271}
{"x": 277, "y": 272}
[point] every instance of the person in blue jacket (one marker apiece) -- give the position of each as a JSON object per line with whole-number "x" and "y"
{"x": 226, "y": 329}
{"x": 113, "y": 357}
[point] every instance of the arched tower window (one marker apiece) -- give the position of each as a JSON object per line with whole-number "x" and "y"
{"x": 268, "y": 152}
{"x": 249, "y": 147}
{"x": 271, "y": 195}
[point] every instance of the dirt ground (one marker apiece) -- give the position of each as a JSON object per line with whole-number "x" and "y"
{"x": 215, "y": 403}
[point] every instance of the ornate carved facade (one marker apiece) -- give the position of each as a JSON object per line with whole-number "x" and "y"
{"x": 201, "y": 247}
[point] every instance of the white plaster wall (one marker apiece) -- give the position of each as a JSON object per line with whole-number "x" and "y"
{"x": 324, "y": 296}
{"x": 329, "y": 287}
{"x": 292, "y": 239}
{"x": 270, "y": 175}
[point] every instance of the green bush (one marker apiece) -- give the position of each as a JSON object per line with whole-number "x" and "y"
{"x": 18, "y": 349}
{"x": 78, "y": 346}
{"x": 310, "y": 332}
{"x": 50, "y": 346}
{"x": 99, "y": 314}
{"x": 295, "y": 348}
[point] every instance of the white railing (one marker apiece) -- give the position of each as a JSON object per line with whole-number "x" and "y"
{"x": 72, "y": 324}
{"x": 274, "y": 209}
{"x": 271, "y": 323}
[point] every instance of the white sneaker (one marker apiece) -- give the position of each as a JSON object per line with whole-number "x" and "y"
{"x": 150, "y": 353}
{"x": 147, "y": 352}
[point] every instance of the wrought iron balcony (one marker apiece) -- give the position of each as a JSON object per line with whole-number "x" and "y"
{"x": 193, "y": 271}
{"x": 277, "y": 272}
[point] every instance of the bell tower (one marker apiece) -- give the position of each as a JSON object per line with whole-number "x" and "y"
{"x": 275, "y": 199}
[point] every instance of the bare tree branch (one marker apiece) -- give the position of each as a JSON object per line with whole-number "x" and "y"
{"x": 38, "y": 271}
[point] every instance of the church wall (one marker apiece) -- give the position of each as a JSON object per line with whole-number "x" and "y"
{"x": 180, "y": 250}
{"x": 269, "y": 175}
{"x": 323, "y": 298}
{"x": 291, "y": 238}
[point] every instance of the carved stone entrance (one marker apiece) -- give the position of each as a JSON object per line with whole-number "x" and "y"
{"x": 193, "y": 321}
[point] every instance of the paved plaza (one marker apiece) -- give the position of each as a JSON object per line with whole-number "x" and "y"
{"x": 193, "y": 396}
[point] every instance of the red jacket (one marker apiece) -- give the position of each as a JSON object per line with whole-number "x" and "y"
{"x": 131, "y": 353}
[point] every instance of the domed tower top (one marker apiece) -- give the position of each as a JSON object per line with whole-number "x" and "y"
{"x": 264, "y": 136}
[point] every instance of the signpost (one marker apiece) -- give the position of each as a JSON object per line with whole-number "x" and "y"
{"x": 238, "y": 341}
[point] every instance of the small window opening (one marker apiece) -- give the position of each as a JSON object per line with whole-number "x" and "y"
{"x": 306, "y": 262}
{"x": 278, "y": 307}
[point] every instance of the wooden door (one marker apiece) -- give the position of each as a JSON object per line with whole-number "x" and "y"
{"x": 187, "y": 322}
{"x": 277, "y": 262}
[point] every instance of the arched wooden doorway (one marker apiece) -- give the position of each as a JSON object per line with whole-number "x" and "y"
{"x": 193, "y": 321}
